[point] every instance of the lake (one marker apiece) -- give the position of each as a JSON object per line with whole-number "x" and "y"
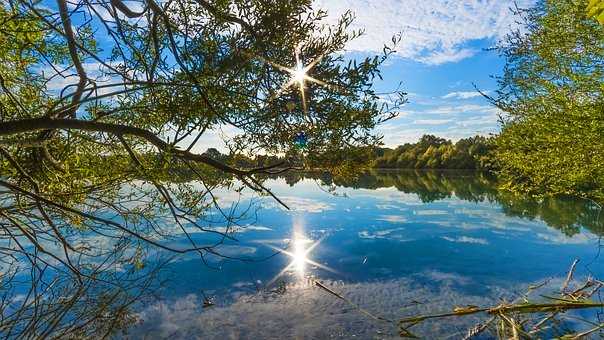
{"x": 385, "y": 245}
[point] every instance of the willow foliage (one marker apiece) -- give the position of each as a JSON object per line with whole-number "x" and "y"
{"x": 595, "y": 9}
{"x": 106, "y": 108}
{"x": 552, "y": 95}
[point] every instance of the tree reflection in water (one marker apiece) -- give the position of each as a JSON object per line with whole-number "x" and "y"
{"x": 568, "y": 214}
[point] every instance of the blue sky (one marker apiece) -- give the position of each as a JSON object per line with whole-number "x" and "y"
{"x": 441, "y": 55}
{"x": 442, "y": 98}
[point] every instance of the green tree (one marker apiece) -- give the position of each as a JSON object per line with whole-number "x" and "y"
{"x": 552, "y": 95}
{"x": 99, "y": 142}
{"x": 432, "y": 152}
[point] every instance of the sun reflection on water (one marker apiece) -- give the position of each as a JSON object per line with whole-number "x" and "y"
{"x": 299, "y": 258}
{"x": 299, "y": 250}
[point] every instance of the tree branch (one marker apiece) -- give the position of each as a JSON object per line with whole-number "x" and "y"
{"x": 36, "y": 124}
{"x": 73, "y": 52}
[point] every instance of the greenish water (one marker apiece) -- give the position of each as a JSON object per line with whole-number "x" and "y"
{"x": 394, "y": 243}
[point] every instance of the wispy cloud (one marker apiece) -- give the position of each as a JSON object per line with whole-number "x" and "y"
{"x": 216, "y": 137}
{"x": 392, "y": 218}
{"x": 450, "y": 55}
{"x": 295, "y": 312}
{"x": 434, "y": 31}
{"x": 462, "y": 95}
{"x": 393, "y": 234}
{"x": 69, "y": 78}
{"x": 430, "y": 212}
{"x": 446, "y": 109}
{"x": 466, "y": 239}
{"x": 308, "y": 205}
{"x": 443, "y": 119}
{"x": 432, "y": 121}
{"x": 241, "y": 229}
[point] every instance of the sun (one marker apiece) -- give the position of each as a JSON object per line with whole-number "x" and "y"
{"x": 298, "y": 76}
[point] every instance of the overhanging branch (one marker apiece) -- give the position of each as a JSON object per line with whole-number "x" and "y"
{"x": 36, "y": 124}
{"x": 16, "y": 127}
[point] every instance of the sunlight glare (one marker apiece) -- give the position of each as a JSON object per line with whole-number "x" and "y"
{"x": 300, "y": 251}
{"x": 299, "y": 74}
{"x": 299, "y": 254}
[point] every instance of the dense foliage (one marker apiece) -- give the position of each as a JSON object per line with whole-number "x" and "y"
{"x": 552, "y": 93}
{"x": 432, "y": 152}
{"x": 595, "y": 9}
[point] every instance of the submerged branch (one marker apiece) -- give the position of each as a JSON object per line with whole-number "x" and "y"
{"x": 513, "y": 317}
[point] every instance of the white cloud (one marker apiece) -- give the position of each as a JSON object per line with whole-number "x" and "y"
{"x": 430, "y": 212}
{"x": 402, "y": 134}
{"x": 463, "y": 95}
{"x": 68, "y": 77}
{"x": 304, "y": 311}
{"x": 241, "y": 229}
{"x": 393, "y": 234}
{"x": 300, "y": 204}
{"x": 392, "y": 218}
{"x": 432, "y": 121}
{"x": 448, "y": 121}
{"x": 447, "y": 56}
{"x": 433, "y": 31}
{"x": 448, "y": 109}
{"x": 556, "y": 237}
{"x": 234, "y": 251}
{"x": 466, "y": 239}
{"x": 386, "y": 206}
{"x": 216, "y": 138}
{"x": 102, "y": 12}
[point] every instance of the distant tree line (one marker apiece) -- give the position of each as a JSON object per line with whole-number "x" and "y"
{"x": 432, "y": 152}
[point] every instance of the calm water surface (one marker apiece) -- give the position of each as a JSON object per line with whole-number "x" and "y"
{"x": 393, "y": 243}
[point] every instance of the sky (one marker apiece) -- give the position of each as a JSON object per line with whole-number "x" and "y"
{"x": 441, "y": 56}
